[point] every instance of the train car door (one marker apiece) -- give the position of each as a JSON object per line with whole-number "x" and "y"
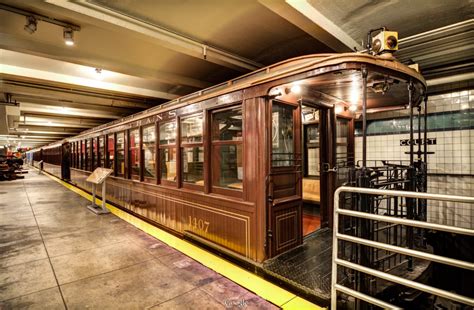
{"x": 284, "y": 178}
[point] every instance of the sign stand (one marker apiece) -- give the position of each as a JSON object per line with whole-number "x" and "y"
{"x": 96, "y": 178}
{"x": 40, "y": 167}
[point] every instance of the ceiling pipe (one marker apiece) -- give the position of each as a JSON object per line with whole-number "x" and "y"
{"x": 451, "y": 79}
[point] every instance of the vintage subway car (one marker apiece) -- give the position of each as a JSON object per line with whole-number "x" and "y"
{"x": 241, "y": 164}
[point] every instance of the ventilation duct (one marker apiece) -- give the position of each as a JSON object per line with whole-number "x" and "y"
{"x": 9, "y": 118}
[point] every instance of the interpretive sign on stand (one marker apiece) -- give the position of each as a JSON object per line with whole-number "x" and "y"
{"x": 96, "y": 178}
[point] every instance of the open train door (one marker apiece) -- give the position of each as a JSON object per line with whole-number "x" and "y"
{"x": 284, "y": 229}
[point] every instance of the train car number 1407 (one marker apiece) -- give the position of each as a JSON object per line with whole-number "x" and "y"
{"x": 198, "y": 224}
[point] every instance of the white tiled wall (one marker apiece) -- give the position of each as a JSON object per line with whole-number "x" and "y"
{"x": 453, "y": 152}
{"x": 451, "y": 166}
{"x": 440, "y": 103}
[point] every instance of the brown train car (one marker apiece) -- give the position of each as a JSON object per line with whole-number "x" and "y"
{"x": 232, "y": 165}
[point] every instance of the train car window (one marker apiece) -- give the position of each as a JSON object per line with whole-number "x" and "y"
{"x": 168, "y": 164}
{"x": 110, "y": 151}
{"x": 149, "y": 152}
{"x": 81, "y": 155}
{"x": 168, "y": 151}
{"x": 134, "y": 152}
{"x": 192, "y": 151}
{"x": 168, "y": 133}
{"x": 191, "y": 129}
{"x": 120, "y": 153}
{"x": 283, "y": 145}
{"x": 94, "y": 155}
{"x": 227, "y": 157}
{"x": 101, "y": 152}
{"x": 88, "y": 155}
{"x": 75, "y": 155}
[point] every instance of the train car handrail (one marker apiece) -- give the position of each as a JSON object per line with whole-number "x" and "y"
{"x": 335, "y": 287}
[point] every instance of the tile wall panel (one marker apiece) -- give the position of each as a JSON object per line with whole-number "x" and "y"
{"x": 450, "y": 168}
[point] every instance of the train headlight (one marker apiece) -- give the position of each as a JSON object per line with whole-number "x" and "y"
{"x": 385, "y": 41}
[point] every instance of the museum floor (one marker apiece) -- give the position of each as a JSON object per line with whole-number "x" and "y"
{"x": 55, "y": 254}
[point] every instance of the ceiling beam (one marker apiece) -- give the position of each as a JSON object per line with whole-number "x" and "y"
{"x": 69, "y": 95}
{"x": 74, "y": 105}
{"x": 45, "y": 130}
{"x": 306, "y": 17}
{"x": 80, "y": 81}
{"x": 39, "y": 120}
{"x": 27, "y": 107}
{"x": 169, "y": 39}
{"x": 41, "y": 49}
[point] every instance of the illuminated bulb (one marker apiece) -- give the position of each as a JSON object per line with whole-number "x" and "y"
{"x": 353, "y": 108}
{"x": 354, "y": 97}
{"x": 68, "y": 36}
{"x": 296, "y": 89}
{"x": 339, "y": 109}
{"x": 50, "y": 123}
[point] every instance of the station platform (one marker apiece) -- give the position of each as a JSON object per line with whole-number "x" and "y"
{"x": 56, "y": 254}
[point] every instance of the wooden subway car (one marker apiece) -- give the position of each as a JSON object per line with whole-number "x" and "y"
{"x": 234, "y": 163}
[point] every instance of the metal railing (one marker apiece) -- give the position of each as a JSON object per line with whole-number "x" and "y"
{"x": 336, "y": 261}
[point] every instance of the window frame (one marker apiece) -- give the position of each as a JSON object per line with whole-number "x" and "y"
{"x": 101, "y": 151}
{"x": 215, "y": 164}
{"x": 94, "y": 153}
{"x": 146, "y": 179}
{"x": 109, "y": 165}
{"x": 83, "y": 154}
{"x": 183, "y": 145}
{"x": 87, "y": 154}
{"x": 169, "y": 147}
{"x": 117, "y": 174}
{"x": 130, "y": 175}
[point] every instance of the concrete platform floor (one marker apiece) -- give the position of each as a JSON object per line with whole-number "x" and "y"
{"x": 55, "y": 254}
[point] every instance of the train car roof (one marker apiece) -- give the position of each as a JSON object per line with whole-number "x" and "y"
{"x": 280, "y": 70}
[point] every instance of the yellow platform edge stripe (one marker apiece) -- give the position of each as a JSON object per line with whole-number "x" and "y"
{"x": 237, "y": 274}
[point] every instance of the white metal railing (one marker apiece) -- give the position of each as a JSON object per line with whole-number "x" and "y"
{"x": 335, "y": 287}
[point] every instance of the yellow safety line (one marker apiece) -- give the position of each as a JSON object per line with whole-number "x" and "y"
{"x": 237, "y": 274}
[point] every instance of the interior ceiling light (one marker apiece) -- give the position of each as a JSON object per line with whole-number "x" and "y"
{"x": 296, "y": 89}
{"x": 68, "y": 36}
{"x": 31, "y": 24}
{"x": 353, "y": 108}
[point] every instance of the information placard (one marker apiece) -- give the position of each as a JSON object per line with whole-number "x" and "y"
{"x": 99, "y": 175}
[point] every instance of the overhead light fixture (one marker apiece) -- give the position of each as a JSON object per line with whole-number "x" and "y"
{"x": 339, "y": 109}
{"x": 68, "y": 35}
{"x": 31, "y": 24}
{"x": 353, "y": 108}
{"x": 296, "y": 89}
{"x": 354, "y": 94}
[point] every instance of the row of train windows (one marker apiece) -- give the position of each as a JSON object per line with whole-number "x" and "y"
{"x": 144, "y": 151}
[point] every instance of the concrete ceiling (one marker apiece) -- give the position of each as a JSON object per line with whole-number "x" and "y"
{"x": 151, "y": 51}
